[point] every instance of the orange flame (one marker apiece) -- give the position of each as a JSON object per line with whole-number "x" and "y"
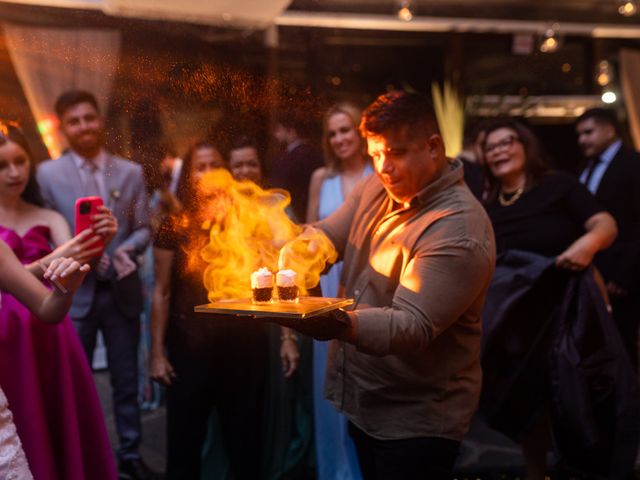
{"x": 308, "y": 252}
{"x": 247, "y": 227}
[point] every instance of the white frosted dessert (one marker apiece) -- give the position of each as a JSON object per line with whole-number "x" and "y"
{"x": 262, "y": 285}
{"x": 287, "y": 286}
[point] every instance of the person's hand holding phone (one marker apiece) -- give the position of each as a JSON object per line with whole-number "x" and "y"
{"x": 86, "y": 209}
{"x": 84, "y": 247}
{"x": 104, "y": 223}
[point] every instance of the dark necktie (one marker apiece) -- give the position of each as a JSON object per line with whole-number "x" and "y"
{"x": 595, "y": 161}
{"x": 91, "y": 187}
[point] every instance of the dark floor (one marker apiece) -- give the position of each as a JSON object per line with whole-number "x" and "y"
{"x": 485, "y": 454}
{"x": 483, "y": 450}
{"x": 153, "y": 426}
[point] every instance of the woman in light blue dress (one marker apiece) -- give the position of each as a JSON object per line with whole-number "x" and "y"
{"x": 346, "y": 164}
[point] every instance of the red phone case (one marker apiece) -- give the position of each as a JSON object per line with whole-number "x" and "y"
{"x": 86, "y": 207}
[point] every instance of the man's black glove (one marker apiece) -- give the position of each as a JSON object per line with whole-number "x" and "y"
{"x": 326, "y": 326}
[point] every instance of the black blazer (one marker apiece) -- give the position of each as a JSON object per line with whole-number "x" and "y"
{"x": 619, "y": 193}
{"x": 551, "y": 347}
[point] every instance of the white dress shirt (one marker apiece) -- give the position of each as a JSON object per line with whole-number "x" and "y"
{"x": 600, "y": 168}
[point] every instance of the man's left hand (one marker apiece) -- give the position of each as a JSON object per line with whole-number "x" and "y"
{"x": 334, "y": 324}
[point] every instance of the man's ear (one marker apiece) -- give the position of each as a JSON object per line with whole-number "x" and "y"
{"x": 611, "y": 133}
{"x": 436, "y": 146}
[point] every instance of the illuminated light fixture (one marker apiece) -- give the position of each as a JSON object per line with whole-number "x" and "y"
{"x": 604, "y": 75}
{"x": 46, "y": 128}
{"x": 609, "y": 96}
{"x": 550, "y": 41}
{"x": 628, "y": 7}
{"x": 404, "y": 11}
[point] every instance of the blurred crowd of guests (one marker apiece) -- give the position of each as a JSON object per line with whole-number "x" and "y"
{"x": 560, "y": 350}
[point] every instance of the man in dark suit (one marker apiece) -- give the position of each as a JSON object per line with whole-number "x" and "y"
{"x": 612, "y": 174}
{"x": 292, "y": 170}
{"x": 110, "y": 299}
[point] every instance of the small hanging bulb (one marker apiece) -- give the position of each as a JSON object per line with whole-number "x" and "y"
{"x": 604, "y": 76}
{"x": 550, "y": 42}
{"x": 628, "y": 7}
{"x": 404, "y": 10}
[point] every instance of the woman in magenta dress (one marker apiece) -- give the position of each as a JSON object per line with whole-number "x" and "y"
{"x": 43, "y": 369}
{"x": 50, "y": 306}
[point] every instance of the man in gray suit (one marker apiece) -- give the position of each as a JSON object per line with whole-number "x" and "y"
{"x": 110, "y": 299}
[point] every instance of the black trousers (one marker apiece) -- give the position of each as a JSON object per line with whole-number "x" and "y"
{"x": 626, "y": 313}
{"x": 420, "y": 458}
{"x": 121, "y": 336}
{"x": 223, "y": 368}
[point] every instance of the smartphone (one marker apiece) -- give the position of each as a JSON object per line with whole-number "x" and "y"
{"x": 86, "y": 207}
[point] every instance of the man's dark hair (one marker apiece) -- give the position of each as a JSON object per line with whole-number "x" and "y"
{"x": 72, "y": 98}
{"x": 398, "y": 109}
{"x": 297, "y": 119}
{"x": 603, "y": 116}
{"x": 165, "y": 149}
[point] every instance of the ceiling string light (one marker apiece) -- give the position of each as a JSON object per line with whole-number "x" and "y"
{"x": 404, "y": 11}
{"x": 608, "y": 96}
{"x": 604, "y": 78}
{"x": 628, "y": 7}
{"x": 550, "y": 40}
{"x": 604, "y": 74}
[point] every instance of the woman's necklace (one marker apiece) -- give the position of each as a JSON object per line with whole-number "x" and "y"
{"x": 505, "y": 202}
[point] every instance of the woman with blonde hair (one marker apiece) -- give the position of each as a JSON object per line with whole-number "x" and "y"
{"x": 347, "y": 162}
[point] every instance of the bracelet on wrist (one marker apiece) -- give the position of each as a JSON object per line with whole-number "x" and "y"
{"x": 289, "y": 336}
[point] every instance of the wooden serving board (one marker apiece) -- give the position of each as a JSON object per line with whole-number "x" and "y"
{"x": 305, "y": 307}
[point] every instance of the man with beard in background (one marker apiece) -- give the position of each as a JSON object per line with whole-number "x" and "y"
{"x": 110, "y": 299}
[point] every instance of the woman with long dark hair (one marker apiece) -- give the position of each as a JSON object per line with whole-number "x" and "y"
{"x": 52, "y": 393}
{"x": 50, "y": 307}
{"x": 212, "y": 365}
